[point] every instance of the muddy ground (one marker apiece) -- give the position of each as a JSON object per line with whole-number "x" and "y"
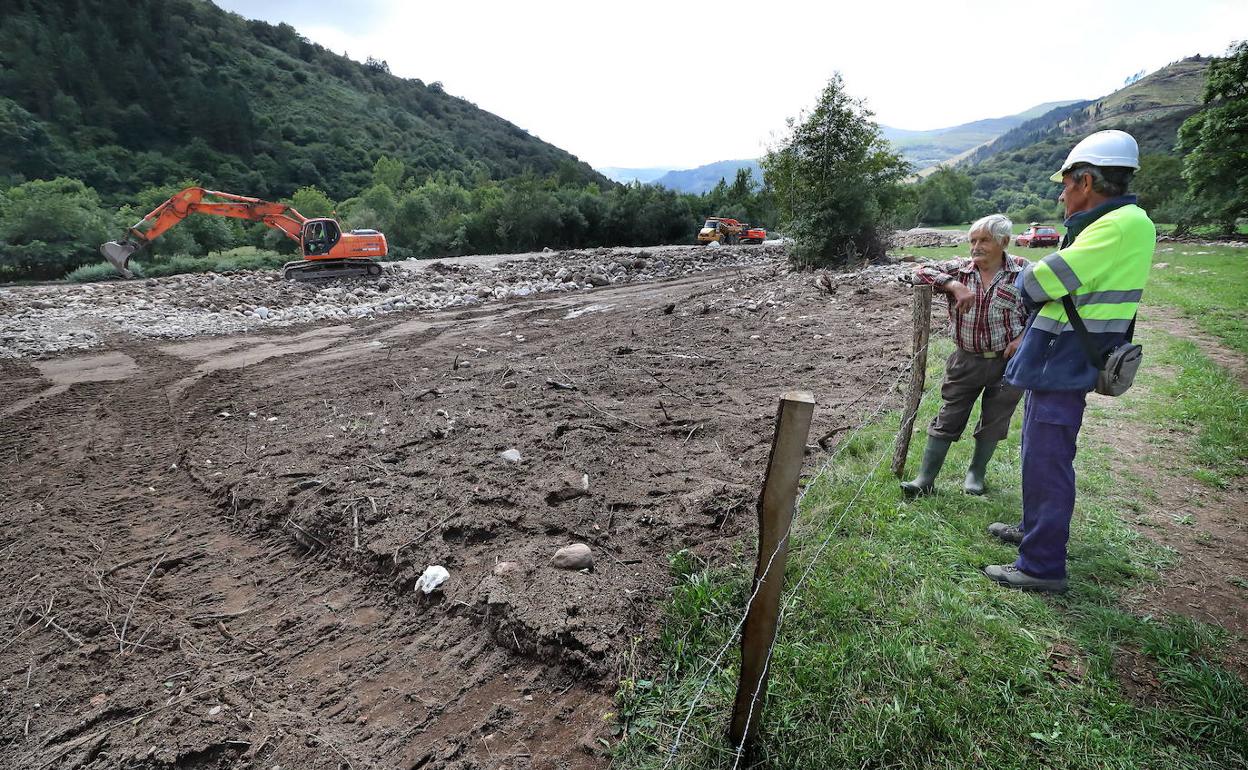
{"x": 210, "y": 546}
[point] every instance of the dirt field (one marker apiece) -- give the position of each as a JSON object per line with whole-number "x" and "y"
{"x": 211, "y": 545}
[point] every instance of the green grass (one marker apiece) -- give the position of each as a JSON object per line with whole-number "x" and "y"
{"x": 896, "y": 652}
{"x": 1203, "y": 231}
{"x": 1205, "y": 401}
{"x": 1207, "y": 283}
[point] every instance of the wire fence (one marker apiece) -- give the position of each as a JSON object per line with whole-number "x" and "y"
{"x": 824, "y": 468}
{"x": 795, "y": 591}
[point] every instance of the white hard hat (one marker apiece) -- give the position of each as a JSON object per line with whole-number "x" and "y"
{"x": 1104, "y": 148}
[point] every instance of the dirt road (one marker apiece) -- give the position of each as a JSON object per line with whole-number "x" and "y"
{"x": 210, "y": 546}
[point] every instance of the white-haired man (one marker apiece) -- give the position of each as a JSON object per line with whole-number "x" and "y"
{"x": 987, "y": 319}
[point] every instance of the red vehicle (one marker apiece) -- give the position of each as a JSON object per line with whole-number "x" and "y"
{"x": 1037, "y": 235}
{"x": 751, "y": 234}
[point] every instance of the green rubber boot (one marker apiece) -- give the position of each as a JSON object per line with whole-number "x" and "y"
{"x": 933, "y": 458}
{"x": 974, "y": 484}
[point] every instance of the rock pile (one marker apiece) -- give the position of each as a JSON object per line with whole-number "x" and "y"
{"x": 920, "y": 237}
{"x": 46, "y": 319}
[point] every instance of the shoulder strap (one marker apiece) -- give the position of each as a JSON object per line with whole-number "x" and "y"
{"x": 1094, "y": 356}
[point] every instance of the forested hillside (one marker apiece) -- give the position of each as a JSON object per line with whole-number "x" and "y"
{"x": 126, "y": 94}
{"x": 1012, "y": 173}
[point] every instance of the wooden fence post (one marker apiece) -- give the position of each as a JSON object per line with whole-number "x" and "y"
{"x": 922, "y": 309}
{"x": 775, "y": 515}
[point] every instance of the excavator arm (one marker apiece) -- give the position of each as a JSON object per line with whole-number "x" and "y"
{"x": 197, "y": 200}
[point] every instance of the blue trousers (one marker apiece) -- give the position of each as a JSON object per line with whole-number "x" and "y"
{"x": 1051, "y": 421}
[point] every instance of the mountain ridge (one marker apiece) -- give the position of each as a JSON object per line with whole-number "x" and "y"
{"x": 125, "y": 95}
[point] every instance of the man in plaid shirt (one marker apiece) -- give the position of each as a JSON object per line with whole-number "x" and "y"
{"x": 987, "y": 316}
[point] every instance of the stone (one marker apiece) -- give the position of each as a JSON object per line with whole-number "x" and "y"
{"x": 598, "y": 279}
{"x": 510, "y": 456}
{"x": 569, "y": 486}
{"x": 574, "y": 557}
{"x": 505, "y": 568}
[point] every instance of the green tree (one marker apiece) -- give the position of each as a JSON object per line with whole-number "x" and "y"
{"x": 1214, "y": 141}
{"x": 48, "y": 228}
{"x": 388, "y": 171}
{"x": 836, "y": 181}
{"x": 945, "y": 197}
{"x": 1160, "y": 177}
{"x": 311, "y": 202}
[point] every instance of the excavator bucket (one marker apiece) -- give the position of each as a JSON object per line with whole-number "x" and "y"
{"x": 118, "y": 255}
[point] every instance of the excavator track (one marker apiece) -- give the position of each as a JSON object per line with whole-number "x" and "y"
{"x": 316, "y": 269}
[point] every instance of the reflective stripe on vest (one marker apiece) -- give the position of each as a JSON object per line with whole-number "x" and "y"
{"x": 1104, "y": 270}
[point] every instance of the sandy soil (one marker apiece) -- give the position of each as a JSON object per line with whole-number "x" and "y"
{"x": 210, "y": 546}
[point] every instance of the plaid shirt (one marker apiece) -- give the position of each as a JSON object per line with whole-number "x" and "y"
{"x": 998, "y": 315}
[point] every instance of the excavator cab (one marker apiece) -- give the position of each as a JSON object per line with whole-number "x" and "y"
{"x": 319, "y": 236}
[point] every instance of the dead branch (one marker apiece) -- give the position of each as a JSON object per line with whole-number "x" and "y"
{"x": 332, "y": 747}
{"x": 49, "y": 621}
{"x": 122, "y": 639}
{"x": 221, "y": 629}
{"x": 423, "y": 535}
{"x": 823, "y": 440}
{"x": 668, "y": 388}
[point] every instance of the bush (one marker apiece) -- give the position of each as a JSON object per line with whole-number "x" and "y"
{"x": 242, "y": 258}
{"x": 101, "y": 271}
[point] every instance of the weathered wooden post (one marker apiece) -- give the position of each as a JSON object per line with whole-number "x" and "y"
{"x": 922, "y": 309}
{"x": 775, "y": 515}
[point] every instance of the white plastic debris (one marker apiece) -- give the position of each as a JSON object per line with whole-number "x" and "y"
{"x": 433, "y": 576}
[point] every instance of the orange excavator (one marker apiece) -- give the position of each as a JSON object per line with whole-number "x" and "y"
{"x": 328, "y": 251}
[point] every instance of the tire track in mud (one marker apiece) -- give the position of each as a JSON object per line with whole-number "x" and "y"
{"x": 248, "y": 647}
{"x": 282, "y": 646}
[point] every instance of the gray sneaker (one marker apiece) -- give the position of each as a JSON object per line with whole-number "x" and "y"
{"x": 1010, "y": 533}
{"x": 1009, "y": 575}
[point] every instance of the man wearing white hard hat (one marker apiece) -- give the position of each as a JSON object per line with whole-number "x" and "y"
{"x": 1102, "y": 266}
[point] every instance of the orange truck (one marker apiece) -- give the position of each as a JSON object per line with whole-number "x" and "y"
{"x": 328, "y": 251}
{"x": 726, "y": 232}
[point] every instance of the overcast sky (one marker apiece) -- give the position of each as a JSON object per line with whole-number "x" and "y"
{"x": 678, "y": 84}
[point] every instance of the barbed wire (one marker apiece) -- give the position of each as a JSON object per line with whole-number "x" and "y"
{"x": 820, "y": 473}
{"x": 792, "y": 593}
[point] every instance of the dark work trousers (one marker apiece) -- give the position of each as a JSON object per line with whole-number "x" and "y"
{"x": 966, "y": 377}
{"x": 1051, "y": 420}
